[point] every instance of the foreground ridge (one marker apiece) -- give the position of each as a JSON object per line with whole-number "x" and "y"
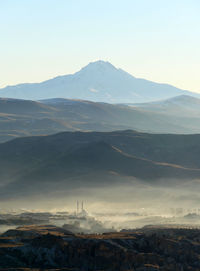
{"x": 150, "y": 248}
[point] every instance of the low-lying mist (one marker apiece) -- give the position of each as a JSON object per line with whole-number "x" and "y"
{"x": 127, "y": 205}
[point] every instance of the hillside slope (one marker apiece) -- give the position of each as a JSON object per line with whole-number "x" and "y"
{"x": 75, "y": 159}
{"x": 26, "y": 118}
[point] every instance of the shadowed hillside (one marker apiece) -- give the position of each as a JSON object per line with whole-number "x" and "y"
{"x": 147, "y": 249}
{"x": 76, "y": 159}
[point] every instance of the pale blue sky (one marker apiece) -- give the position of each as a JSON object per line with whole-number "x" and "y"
{"x": 154, "y": 39}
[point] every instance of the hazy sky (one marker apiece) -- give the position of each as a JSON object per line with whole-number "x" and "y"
{"x": 154, "y": 39}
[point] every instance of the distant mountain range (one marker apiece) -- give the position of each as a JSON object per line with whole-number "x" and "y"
{"x": 71, "y": 160}
{"x": 25, "y": 118}
{"x": 99, "y": 81}
{"x": 180, "y": 105}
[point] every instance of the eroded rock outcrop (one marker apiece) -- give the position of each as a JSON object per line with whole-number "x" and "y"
{"x": 54, "y": 249}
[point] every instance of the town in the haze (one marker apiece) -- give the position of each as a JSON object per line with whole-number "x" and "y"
{"x": 99, "y": 135}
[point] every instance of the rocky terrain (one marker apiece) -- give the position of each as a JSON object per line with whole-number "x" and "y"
{"x": 53, "y": 248}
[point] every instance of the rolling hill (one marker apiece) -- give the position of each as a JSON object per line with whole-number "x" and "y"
{"x": 26, "y": 118}
{"x": 183, "y": 105}
{"x": 69, "y": 160}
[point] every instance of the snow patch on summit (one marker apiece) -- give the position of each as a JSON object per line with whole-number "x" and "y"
{"x": 94, "y": 90}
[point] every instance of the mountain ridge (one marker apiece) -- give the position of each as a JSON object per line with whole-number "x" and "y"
{"x": 99, "y": 81}
{"x": 26, "y": 117}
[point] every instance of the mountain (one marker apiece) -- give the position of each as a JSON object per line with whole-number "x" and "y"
{"x": 70, "y": 160}
{"x": 99, "y": 81}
